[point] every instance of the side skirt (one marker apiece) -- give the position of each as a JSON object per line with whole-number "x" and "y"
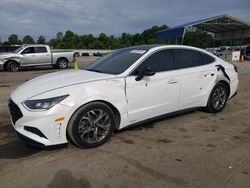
{"x": 161, "y": 117}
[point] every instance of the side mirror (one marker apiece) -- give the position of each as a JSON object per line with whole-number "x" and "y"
{"x": 146, "y": 71}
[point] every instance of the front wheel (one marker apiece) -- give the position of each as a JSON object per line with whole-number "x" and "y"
{"x": 218, "y": 98}
{"x": 91, "y": 125}
{"x": 12, "y": 66}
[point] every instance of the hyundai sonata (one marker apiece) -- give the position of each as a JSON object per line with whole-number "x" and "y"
{"x": 126, "y": 87}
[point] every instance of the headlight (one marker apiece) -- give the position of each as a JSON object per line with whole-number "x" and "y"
{"x": 43, "y": 104}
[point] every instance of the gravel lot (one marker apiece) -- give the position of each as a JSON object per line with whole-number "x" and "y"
{"x": 195, "y": 149}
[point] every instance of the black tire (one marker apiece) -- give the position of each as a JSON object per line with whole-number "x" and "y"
{"x": 83, "y": 130}
{"x": 62, "y": 63}
{"x": 218, "y": 98}
{"x": 12, "y": 66}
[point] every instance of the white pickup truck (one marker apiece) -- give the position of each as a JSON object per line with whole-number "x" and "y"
{"x": 35, "y": 55}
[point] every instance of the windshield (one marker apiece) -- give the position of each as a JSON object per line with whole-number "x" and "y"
{"x": 116, "y": 62}
{"x": 18, "y": 49}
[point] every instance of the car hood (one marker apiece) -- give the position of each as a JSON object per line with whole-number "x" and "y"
{"x": 54, "y": 81}
{"x": 8, "y": 54}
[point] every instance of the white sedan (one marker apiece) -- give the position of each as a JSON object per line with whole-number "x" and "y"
{"x": 123, "y": 88}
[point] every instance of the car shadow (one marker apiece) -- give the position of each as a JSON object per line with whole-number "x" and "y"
{"x": 38, "y": 68}
{"x": 16, "y": 149}
{"x": 65, "y": 178}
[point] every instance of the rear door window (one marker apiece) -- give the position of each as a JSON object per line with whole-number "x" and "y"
{"x": 185, "y": 58}
{"x": 41, "y": 50}
{"x": 207, "y": 59}
{"x": 182, "y": 59}
{"x": 196, "y": 58}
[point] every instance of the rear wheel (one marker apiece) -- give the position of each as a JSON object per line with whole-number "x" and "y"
{"x": 91, "y": 125}
{"x": 62, "y": 63}
{"x": 12, "y": 66}
{"x": 218, "y": 98}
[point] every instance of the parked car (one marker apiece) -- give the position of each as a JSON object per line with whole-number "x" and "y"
{"x": 85, "y": 54}
{"x": 97, "y": 54}
{"x": 76, "y": 54}
{"x": 34, "y": 55}
{"x": 246, "y": 52}
{"x": 124, "y": 88}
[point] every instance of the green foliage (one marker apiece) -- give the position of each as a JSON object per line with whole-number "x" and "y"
{"x": 59, "y": 36}
{"x": 70, "y": 40}
{"x": 199, "y": 39}
{"x": 13, "y": 39}
{"x": 41, "y": 40}
{"x": 28, "y": 40}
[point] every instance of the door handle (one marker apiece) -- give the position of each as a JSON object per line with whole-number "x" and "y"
{"x": 172, "y": 81}
{"x": 33, "y": 56}
{"x": 208, "y": 74}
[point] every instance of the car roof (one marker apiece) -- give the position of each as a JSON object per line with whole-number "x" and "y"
{"x": 143, "y": 47}
{"x": 159, "y": 46}
{"x": 34, "y": 45}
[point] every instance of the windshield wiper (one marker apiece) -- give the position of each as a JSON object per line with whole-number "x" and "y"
{"x": 94, "y": 70}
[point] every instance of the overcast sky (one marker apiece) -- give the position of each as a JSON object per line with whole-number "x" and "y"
{"x": 47, "y": 17}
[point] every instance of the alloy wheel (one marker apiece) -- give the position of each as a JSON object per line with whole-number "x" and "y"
{"x": 94, "y": 126}
{"x": 62, "y": 64}
{"x": 14, "y": 67}
{"x": 219, "y": 98}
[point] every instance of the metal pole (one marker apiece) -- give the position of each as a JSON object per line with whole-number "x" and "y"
{"x": 183, "y": 35}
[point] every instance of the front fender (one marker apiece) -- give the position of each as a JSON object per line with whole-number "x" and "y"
{"x": 12, "y": 58}
{"x": 79, "y": 95}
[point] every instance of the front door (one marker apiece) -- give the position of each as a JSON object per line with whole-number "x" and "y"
{"x": 153, "y": 95}
{"x": 29, "y": 56}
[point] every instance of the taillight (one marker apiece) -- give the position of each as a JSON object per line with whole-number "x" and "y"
{"x": 235, "y": 68}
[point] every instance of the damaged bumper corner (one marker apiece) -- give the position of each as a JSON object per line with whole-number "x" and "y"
{"x": 1, "y": 64}
{"x": 234, "y": 94}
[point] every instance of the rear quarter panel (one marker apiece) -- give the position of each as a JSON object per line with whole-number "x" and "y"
{"x": 57, "y": 55}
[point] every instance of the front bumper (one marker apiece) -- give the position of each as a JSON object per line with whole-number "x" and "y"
{"x": 39, "y": 128}
{"x": 234, "y": 94}
{"x": 28, "y": 141}
{"x": 1, "y": 67}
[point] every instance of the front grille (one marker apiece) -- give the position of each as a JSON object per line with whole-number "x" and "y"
{"x": 15, "y": 112}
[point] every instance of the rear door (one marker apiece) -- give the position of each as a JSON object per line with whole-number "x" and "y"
{"x": 43, "y": 56}
{"x": 196, "y": 78}
{"x": 153, "y": 95}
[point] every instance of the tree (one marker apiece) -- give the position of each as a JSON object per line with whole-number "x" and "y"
{"x": 28, "y": 40}
{"x": 13, "y": 39}
{"x": 70, "y": 40}
{"x": 199, "y": 39}
{"x": 103, "y": 38}
{"x": 41, "y": 40}
{"x": 149, "y": 34}
{"x": 59, "y": 36}
{"x": 68, "y": 36}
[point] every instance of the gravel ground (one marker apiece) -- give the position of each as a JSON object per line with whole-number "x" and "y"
{"x": 195, "y": 149}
